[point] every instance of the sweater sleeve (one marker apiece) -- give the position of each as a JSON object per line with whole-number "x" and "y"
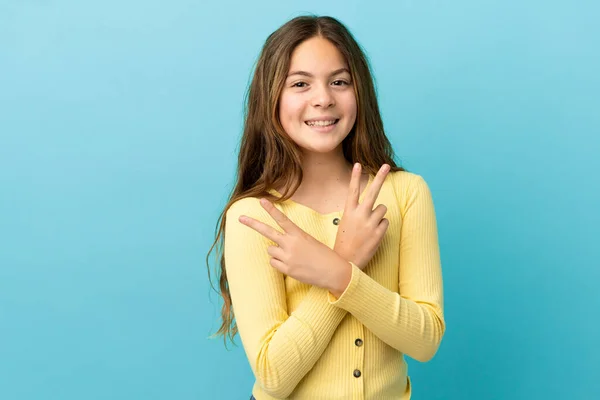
{"x": 411, "y": 321}
{"x": 281, "y": 347}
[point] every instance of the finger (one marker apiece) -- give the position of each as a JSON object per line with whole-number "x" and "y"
{"x": 378, "y": 213}
{"x": 375, "y": 187}
{"x": 382, "y": 227}
{"x": 267, "y": 231}
{"x": 282, "y": 220}
{"x": 276, "y": 252}
{"x": 354, "y": 188}
{"x": 279, "y": 265}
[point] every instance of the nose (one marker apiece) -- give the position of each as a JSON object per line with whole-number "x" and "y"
{"x": 323, "y": 97}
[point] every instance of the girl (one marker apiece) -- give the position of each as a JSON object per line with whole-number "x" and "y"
{"x": 328, "y": 294}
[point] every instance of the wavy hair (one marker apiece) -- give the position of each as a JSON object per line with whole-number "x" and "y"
{"x": 267, "y": 157}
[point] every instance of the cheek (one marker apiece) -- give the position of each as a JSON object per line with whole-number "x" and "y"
{"x": 350, "y": 106}
{"x": 290, "y": 108}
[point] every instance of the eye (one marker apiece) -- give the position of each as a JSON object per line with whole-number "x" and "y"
{"x": 299, "y": 83}
{"x": 340, "y": 82}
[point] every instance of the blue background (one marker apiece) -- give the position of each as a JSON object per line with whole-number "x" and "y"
{"x": 119, "y": 124}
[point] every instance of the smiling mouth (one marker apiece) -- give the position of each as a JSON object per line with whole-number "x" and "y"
{"x": 322, "y": 123}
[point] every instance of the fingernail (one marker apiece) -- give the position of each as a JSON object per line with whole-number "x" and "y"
{"x": 243, "y": 219}
{"x": 356, "y": 165}
{"x": 264, "y": 202}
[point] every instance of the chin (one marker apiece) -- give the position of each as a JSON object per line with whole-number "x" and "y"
{"x": 321, "y": 149}
{"x": 313, "y": 142}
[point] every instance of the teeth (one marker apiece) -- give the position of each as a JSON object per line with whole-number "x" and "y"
{"x": 320, "y": 123}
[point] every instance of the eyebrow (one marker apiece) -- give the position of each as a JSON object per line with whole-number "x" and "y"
{"x": 304, "y": 73}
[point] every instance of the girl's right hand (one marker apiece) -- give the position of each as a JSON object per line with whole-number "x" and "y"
{"x": 361, "y": 228}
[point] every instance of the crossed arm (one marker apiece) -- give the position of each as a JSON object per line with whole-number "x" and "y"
{"x": 282, "y": 347}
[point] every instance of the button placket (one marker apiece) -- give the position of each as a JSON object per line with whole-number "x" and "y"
{"x": 331, "y": 223}
{"x": 358, "y": 348}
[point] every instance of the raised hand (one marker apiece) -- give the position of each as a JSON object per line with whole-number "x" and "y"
{"x": 362, "y": 228}
{"x": 298, "y": 254}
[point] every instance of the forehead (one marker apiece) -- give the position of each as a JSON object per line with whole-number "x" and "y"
{"x": 317, "y": 55}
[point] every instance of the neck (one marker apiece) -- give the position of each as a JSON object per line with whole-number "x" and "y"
{"x": 323, "y": 170}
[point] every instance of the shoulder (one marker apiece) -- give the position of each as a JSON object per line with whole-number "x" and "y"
{"x": 409, "y": 186}
{"x": 250, "y": 207}
{"x": 245, "y": 206}
{"x": 405, "y": 181}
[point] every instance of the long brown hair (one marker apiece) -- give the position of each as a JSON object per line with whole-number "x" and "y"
{"x": 268, "y": 158}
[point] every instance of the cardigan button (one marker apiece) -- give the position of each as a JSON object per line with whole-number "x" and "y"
{"x": 356, "y": 373}
{"x": 336, "y": 221}
{"x": 358, "y": 342}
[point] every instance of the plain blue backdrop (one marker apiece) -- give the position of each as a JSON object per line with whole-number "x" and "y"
{"x": 119, "y": 124}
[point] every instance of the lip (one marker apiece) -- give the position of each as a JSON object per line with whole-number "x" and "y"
{"x": 325, "y": 118}
{"x": 323, "y": 129}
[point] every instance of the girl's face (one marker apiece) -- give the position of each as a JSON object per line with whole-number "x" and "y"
{"x": 317, "y": 107}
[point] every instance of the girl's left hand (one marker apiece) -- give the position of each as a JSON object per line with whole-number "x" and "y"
{"x": 298, "y": 254}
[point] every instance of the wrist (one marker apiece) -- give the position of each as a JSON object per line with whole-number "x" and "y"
{"x": 348, "y": 255}
{"x": 340, "y": 278}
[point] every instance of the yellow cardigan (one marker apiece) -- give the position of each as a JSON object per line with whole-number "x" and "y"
{"x": 302, "y": 342}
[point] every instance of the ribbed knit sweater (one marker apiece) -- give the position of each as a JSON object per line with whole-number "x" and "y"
{"x": 304, "y": 343}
